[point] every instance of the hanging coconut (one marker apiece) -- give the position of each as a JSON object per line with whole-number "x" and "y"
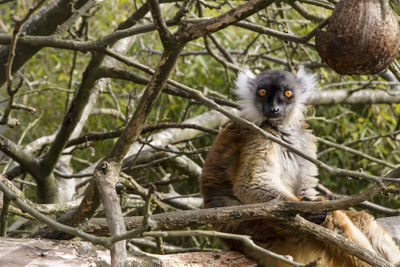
{"x": 362, "y": 37}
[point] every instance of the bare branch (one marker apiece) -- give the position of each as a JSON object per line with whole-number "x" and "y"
{"x": 358, "y": 97}
{"x": 18, "y": 25}
{"x": 217, "y": 23}
{"x": 43, "y": 208}
{"x": 153, "y": 90}
{"x": 165, "y": 35}
{"x": 106, "y": 176}
{"x": 356, "y": 152}
{"x": 304, "y": 12}
{"x": 72, "y": 117}
{"x": 222, "y": 49}
{"x": 272, "y": 209}
{"x": 281, "y": 35}
{"x": 17, "y": 153}
{"x": 220, "y": 59}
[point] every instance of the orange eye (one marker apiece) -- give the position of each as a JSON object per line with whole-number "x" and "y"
{"x": 262, "y": 92}
{"x": 288, "y": 94}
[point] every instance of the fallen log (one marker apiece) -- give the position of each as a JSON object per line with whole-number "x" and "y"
{"x": 43, "y": 252}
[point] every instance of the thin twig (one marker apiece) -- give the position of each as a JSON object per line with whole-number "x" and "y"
{"x": 304, "y": 12}
{"x": 366, "y": 139}
{"x": 356, "y": 152}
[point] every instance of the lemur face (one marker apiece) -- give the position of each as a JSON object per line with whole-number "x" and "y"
{"x": 275, "y": 93}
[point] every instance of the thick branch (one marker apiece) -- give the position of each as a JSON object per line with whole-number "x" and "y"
{"x": 25, "y": 159}
{"x": 106, "y": 176}
{"x": 44, "y": 219}
{"x": 153, "y": 90}
{"x": 228, "y": 18}
{"x": 356, "y": 97}
{"x": 72, "y": 117}
{"x": 107, "y": 172}
{"x": 273, "y": 210}
{"x": 43, "y": 208}
{"x": 165, "y": 35}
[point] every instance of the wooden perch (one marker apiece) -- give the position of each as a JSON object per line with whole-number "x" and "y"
{"x": 39, "y": 252}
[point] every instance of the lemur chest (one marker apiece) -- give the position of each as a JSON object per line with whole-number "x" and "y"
{"x": 278, "y": 165}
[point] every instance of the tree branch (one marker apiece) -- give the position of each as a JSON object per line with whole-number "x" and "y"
{"x": 72, "y": 117}
{"x": 224, "y": 20}
{"x": 272, "y": 209}
{"x": 17, "y": 153}
{"x": 358, "y": 97}
{"x": 304, "y": 12}
{"x": 166, "y": 36}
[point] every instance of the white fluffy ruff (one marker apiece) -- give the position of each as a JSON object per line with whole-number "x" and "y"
{"x": 251, "y": 109}
{"x": 308, "y": 82}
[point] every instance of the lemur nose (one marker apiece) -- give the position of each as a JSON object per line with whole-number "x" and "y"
{"x": 275, "y": 109}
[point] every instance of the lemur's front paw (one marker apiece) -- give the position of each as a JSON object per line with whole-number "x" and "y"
{"x": 316, "y": 198}
{"x": 305, "y": 199}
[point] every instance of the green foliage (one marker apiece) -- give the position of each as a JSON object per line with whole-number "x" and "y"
{"x": 346, "y": 123}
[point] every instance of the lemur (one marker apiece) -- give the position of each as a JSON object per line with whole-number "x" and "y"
{"x": 244, "y": 167}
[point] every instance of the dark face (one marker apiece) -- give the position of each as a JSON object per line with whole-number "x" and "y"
{"x": 275, "y": 91}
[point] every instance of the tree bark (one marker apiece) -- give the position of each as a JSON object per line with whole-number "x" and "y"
{"x": 36, "y": 252}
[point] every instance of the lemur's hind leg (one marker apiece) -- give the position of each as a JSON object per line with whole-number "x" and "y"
{"x": 379, "y": 238}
